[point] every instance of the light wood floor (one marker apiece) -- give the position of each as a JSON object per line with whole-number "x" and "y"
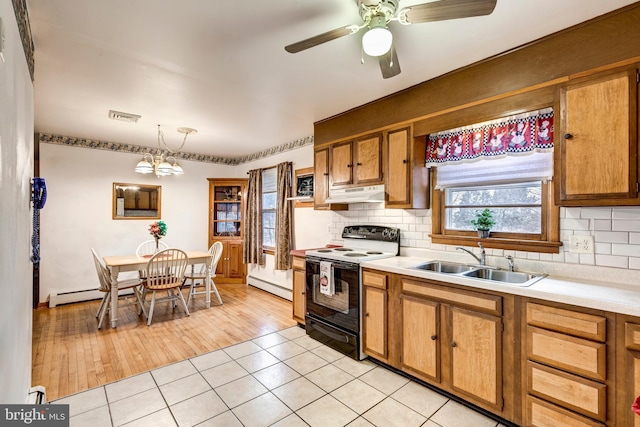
{"x": 70, "y": 354}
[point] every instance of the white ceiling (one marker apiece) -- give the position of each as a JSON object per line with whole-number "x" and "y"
{"x": 220, "y": 66}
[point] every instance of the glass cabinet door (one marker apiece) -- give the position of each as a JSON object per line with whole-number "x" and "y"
{"x": 227, "y": 210}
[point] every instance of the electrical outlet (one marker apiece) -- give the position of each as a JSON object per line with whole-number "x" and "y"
{"x": 582, "y": 245}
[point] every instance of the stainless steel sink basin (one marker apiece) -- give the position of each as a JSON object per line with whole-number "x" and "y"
{"x": 515, "y": 278}
{"x": 443, "y": 267}
{"x": 511, "y": 277}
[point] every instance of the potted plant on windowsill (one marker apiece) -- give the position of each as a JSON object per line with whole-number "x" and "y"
{"x": 483, "y": 223}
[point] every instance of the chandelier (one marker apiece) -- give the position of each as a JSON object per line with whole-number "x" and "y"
{"x": 163, "y": 163}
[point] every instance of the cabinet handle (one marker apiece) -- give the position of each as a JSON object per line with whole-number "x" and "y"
{"x": 326, "y": 174}
{"x": 405, "y": 161}
{"x": 349, "y": 165}
{"x": 366, "y": 315}
{"x": 358, "y": 164}
{"x": 453, "y": 344}
{"x": 568, "y": 136}
{"x": 434, "y": 337}
{"x": 303, "y": 293}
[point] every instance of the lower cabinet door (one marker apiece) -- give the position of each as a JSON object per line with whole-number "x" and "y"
{"x": 476, "y": 355}
{"x": 421, "y": 337}
{"x": 375, "y": 322}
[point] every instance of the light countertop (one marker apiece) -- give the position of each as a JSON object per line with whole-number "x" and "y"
{"x": 599, "y": 295}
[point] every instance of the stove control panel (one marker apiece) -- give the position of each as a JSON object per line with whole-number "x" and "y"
{"x": 372, "y": 232}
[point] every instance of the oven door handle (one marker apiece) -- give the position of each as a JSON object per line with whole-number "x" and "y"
{"x": 327, "y": 332}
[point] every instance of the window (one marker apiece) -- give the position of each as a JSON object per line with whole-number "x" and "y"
{"x": 269, "y": 204}
{"x": 516, "y": 208}
{"x": 522, "y": 206}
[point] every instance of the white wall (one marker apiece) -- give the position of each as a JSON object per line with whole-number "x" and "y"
{"x": 311, "y": 227}
{"x": 78, "y": 214}
{"x": 616, "y": 232}
{"x": 16, "y": 170}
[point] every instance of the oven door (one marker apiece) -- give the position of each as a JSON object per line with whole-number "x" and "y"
{"x": 341, "y": 306}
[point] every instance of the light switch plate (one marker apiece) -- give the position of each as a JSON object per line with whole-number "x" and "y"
{"x": 582, "y": 245}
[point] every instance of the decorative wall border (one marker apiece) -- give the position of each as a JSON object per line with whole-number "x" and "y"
{"x": 24, "y": 26}
{"x": 137, "y": 149}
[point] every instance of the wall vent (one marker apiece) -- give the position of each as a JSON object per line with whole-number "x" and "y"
{"x": 125, "y": 117}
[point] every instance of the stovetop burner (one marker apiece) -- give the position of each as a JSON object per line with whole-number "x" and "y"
{"x": 361, "y": 243}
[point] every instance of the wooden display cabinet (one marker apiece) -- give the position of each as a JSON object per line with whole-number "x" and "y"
{"x": 226, "y": 219}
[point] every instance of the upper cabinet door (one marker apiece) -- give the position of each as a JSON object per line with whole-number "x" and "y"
{"x": 341, "y": 164}
{"x": 368, "y": 155}
{"x": 596, "y": 162}
{"x": 357, "y": 162}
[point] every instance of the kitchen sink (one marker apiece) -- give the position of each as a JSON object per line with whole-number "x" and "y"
{"x": 444, "y": 267}
{"x": 515, "y": 278}
{"x": 511, "y": 277}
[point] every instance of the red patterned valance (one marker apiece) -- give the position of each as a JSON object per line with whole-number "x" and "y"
{"x": 521, "y": 134}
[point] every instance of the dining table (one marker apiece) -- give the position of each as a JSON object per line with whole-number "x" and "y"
{"x": 122, "y": 263}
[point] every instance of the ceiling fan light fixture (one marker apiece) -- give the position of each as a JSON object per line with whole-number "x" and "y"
{"x": 378, "y": 39}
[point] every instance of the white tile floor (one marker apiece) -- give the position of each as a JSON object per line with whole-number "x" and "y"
{"x": 283, "y": 379}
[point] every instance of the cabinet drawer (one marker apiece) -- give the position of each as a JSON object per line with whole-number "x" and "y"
{"x": 570, "y": 391}
{"x": 376, "y": 280}
{"x": 539, "y": 413}
{"x": 491, "y": 304}
{"x": 632, "y": 336}
{"x": 299, "y": 263}
{"x": 567, "y": 321}
{"x": 576, "y": 355}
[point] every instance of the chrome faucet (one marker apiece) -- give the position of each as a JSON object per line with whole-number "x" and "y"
{"x": 510, "y": 259}
{"x": 481, "y": 259}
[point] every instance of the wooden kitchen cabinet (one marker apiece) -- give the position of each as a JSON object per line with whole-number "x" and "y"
{"x": 465, "y": 354}
{"x": 299, "y": 289}
{"x": 322, "y": 181}
{"x": 628, "y": 373}
{"x": 566, "y": 376}
{"x": 596, "y": 153}
{"x": 406, "y": 177}
{"x": 226, "y": 210}
{"x": 356, "y": 162}
{"x": 374, "y": 312}
{"x": 421, "y": 337}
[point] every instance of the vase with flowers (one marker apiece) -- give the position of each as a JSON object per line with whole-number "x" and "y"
{"x": 158, "y": 230}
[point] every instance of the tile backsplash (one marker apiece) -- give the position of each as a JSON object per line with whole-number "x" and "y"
{"x": 616, "y": 233}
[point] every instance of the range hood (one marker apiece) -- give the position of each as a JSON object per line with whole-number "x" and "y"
{"x": 370, "y": 194}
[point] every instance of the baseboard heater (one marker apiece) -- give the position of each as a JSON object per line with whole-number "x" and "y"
{"x": 58, "y": 297}
{"x": 270, "y": 287}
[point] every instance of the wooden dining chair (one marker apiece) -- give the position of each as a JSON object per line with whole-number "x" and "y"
{"x": 104, "y": 278}
{"x": 199, "y": 278}
{"x": 165, "y": 272}
{"x": 148, "y": 247}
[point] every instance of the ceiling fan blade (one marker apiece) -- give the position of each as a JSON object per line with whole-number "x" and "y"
{"x": 389, "y": 64}
{"x": 321, "y": 38}
{"x": 446, "y": 9}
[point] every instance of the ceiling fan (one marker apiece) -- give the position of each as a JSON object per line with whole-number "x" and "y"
{"x": 377, "y": 41}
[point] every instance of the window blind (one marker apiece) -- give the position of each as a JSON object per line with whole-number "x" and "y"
{"x": 533, "y": 167}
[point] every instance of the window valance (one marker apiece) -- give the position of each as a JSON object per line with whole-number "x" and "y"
{"x": 520, "y": 134}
